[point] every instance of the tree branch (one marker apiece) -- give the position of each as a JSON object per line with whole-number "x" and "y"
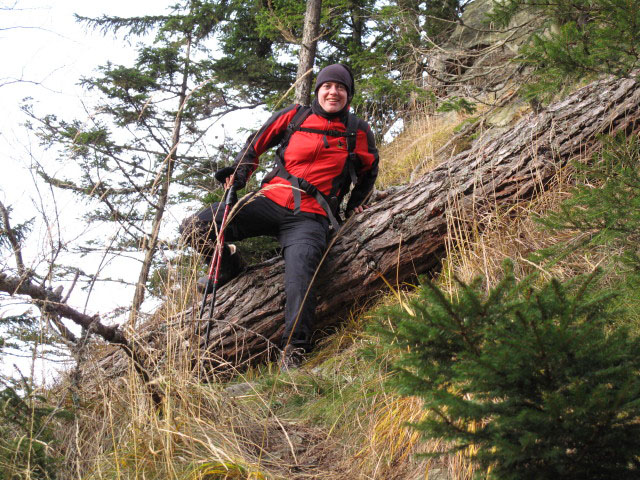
{"x": 13, "y": 240}
{"x": 49, "y": 301}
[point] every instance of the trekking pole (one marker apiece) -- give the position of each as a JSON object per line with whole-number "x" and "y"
{"x": 214, "y": 269}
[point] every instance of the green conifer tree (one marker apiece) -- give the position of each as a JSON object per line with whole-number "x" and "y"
{"x": 604, "y": 207}
{"x": 576, "y": 39}
{"x": 387, "y": 45}
{"x": 534, "y": 376}
{"x": 27, "y": 420}
{"x": 27, "y": 425}
{"x": 20, "y": 327}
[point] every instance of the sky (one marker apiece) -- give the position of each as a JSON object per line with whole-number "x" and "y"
{"x": 44, "y": 53}
{"x": 42, "y": 43}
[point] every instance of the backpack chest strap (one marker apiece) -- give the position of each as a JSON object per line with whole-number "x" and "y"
{"x": 331, "y": 133}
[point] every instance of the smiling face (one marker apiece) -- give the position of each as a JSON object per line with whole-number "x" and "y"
{"x": 332, "y": 96}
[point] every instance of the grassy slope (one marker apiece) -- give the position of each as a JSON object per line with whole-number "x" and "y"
{"x": 333, "y": 419}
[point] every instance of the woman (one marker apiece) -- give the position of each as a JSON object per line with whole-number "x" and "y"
{"x": 322, "y": 150}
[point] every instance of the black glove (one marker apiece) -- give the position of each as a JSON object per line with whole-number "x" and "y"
{"x": 224, "y": 173}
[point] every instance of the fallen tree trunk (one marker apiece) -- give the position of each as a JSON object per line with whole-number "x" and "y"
{"x": 403, "y": 233}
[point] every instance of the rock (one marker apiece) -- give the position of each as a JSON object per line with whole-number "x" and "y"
{"x": 240, "y": 389}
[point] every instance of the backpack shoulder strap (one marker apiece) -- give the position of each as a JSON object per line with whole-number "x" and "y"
{"x": 301, "y": 115}
{"x": 352, "y": 131}
{"x": 352, "y": 134}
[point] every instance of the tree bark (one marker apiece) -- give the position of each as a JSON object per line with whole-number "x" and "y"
{"x": 150, "y": 243}
{"x": 307, "y": 52}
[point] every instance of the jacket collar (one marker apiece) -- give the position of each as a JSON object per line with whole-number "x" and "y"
{"x": 341, "y": 115}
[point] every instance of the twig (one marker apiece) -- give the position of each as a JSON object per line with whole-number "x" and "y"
{"x": 13, "y": 240}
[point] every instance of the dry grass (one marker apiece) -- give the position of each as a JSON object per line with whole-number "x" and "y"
{"x": 390, "y": 448}
{"x": 419, "y": 140}
{"x": 122, "y": 436}
{"x": 332, "y": 420}
{"x": 478, "y": 243}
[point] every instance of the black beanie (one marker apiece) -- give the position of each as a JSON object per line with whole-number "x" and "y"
{"x": 337, "y": 73}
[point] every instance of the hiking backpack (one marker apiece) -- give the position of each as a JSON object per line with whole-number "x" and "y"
{"x": 340, "y": 185}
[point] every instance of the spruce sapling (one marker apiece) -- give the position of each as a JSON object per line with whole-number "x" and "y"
{"x": 534, "y": 378}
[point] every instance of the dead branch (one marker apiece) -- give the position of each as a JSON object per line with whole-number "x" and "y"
{"x": 49, "y": 302}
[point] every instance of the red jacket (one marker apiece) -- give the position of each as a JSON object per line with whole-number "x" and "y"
{"x": 314, "y": 157}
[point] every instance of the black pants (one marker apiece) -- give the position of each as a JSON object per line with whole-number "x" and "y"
{"x": 303, "y": 238}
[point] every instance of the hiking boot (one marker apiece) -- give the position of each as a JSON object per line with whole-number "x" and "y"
{"x": 291, "y": 358}
{"x": 231, "y": 265}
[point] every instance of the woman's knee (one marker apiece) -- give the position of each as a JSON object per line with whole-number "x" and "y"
{"x": 301, "y": 262}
